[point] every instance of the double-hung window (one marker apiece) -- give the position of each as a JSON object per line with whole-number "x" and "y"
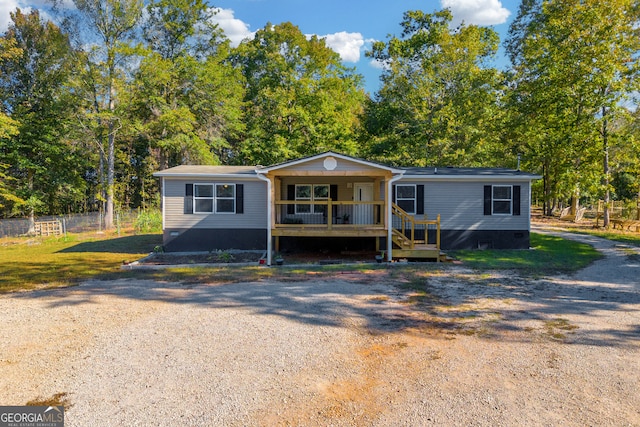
{"x": 225, "y": 198}
{"x": 311, "y": 193}
{"x": 501, "y": 199}
{"x": 406, "y": 198}
{"x": 218, "y": 198}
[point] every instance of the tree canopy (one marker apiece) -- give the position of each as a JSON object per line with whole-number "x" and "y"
{"x": 300, "y": 99}
{"x": 439, "y": 102}
{"x": 120, "y": 89}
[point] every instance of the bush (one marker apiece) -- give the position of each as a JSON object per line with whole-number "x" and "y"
{"x": 148, "y": 221}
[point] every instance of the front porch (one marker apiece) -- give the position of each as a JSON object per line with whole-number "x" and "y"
{"x": 329, "y": 219}
{"x": 410, "y": 237}
{"x": 334, "y": 196}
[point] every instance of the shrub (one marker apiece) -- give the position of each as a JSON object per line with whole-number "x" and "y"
{"x": 148, "y": 221}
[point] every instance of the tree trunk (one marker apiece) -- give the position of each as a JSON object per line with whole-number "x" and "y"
{"x": 575, "y": 202}
{"x": 32, "y": 222}
{"x": 546, "y": 209}
{"x": 108, "y": 213}
{"x": 605, "y": 145}
{"x": 32, "y": 214}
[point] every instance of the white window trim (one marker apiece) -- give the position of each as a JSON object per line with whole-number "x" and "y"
{"x": 502, "y": 200}
{"x": 414, "y": 198}
{"x": 312, "y": 198}
{"x": 213, "y": 198}
{"x": 233, "y": 198}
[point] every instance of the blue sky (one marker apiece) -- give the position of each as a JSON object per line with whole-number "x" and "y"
{"x": 348, "y": 25}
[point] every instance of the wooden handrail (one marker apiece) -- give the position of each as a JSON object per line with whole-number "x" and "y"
{"x": 407, "y": 219}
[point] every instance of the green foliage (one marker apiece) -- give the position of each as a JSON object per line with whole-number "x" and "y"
{"x": 148, "y": 221}
{"x": 8, "y": 127}
{"x": 300, "y": 99}
{"x": 224, "y": 256}
{"x": 575, "y": 63}
{"x": 35, "y": 88}
{"x": 137, "y": 95}
{"x": 439, "y": 103}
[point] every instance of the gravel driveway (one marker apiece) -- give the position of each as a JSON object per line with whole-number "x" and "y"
{"x": 491, "y": 349}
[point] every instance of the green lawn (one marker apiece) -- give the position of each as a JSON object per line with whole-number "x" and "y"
{"x": 548, "y": 255}
{"x": 29, "y": 263}
{"x": 629, "y": 238}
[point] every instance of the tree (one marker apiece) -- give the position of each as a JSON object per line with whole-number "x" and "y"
{"x": 176, "y": 28}
{"x": 186, "y": 96}
{"x": 300, "y": 98}
{"x": 439, "y": 103}
{"x": 575, "y": 63}
{"x": 114, "y": 22}
{"x": 34, "y": 88}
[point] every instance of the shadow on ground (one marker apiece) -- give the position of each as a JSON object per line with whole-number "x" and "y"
{"x": 450, "y": 301}
{"x": 141, "y": 243}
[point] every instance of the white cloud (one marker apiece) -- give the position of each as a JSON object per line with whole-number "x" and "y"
{"x": 347, "y": 45}
{"x": 233, "y": 28}
{"x": 45, "y": 6}
{"x": 479, "y": 12}
{"x": 6, "y": 7}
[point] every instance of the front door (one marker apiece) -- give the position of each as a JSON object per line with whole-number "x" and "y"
{"x": 363, "y": 192}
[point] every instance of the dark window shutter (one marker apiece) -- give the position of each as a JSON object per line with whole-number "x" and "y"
{"x": 393, "y": 193}
{"x": 420, "y": 199}
{"x": 516, "y": 200}
{"x": 188, "y": 199}
{"x": 239, "y": 198}
{"x": 487, "y": 200}
{"x": 291, "y": 195}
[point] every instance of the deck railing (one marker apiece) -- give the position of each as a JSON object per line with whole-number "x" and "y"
{"x": 328, "y": 213}
{"x": 409, "y": 231}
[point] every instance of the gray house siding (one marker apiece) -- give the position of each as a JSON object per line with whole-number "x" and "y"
{"x": 458, "y": 195}
{"x": 212, "y": 231}
{"x": 462, "y": 220}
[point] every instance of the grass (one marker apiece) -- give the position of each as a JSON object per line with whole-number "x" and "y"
{"x": 556, "y": 328}
{"x": 30, "y": 263}
{"x": 629, "y": 238}
{"x": 35, "y": 263}
{"x": 549, "y": 255}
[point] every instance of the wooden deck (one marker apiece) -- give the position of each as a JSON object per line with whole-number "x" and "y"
{"x": 327, "y": 219}
{"x": 324, "y": 230}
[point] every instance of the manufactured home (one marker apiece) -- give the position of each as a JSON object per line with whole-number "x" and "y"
{"x": 331, "y": 198}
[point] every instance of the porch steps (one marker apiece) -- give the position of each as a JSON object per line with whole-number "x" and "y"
{"x": 410, "y": 247}
{"x": 421, "y": 252}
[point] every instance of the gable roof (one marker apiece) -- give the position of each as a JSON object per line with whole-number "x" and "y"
{"x": 327, "y": 154}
